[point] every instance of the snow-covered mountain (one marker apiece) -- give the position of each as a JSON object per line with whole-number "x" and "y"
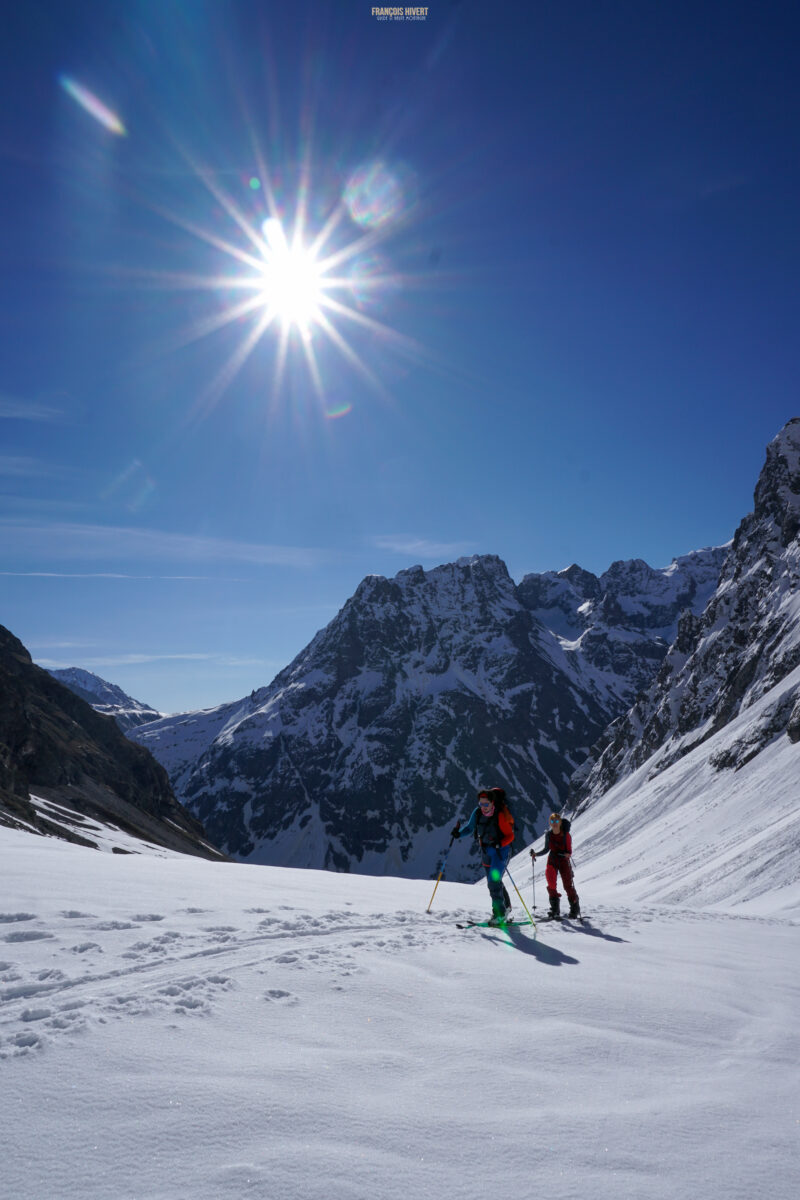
{"x": 106, "y": 697}
{"x": 742, "y": 651}
{"x": 362, "y": 752}
{"x": 620, "y": 624}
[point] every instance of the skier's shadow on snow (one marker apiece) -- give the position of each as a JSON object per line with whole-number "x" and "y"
{"x": 590, "y": 931}
{"x": 546, "y": 953}
{"x": 550, "y": 955}
{"x": 584, "y": 928}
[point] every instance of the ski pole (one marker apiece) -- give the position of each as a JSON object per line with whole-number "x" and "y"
{"x": 522, "y": 902}
{"x": 441, "y": 872}
{"x": 533, "y": 878}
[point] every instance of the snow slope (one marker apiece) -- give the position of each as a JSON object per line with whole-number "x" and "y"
{"x": 172, "y": 1029}
{"x": 704, "y": 833}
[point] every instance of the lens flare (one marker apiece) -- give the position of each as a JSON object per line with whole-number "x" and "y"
{"x": 334, "y": 412}
{"x": 377, "y": 195}
{"x": 94, "y": 107}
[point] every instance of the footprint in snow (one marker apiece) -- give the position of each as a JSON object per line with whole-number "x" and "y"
{"x": 35, "y": 1014}
{"x": 193, "y": 995}
{"x": 27, "y": 935}
{"x": 21, "y": 1043}
{"x": 280, "y": 996}
{"x": 222, "y": 933}
{"x": 158, "y": 945}
{"x": 68, "y": 1022}
{"x": 10, "y": 918}
{"x": 148, "y": 917}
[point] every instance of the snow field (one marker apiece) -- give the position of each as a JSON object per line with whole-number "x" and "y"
{"x": 178, "y": 1030}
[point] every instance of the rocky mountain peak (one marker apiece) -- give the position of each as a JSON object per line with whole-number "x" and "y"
{"x": 777, "y": 493}
{"x": 584, "y": 582}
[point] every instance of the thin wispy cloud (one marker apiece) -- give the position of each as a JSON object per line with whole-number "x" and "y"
{"x": 61, "y": 541}
{"x": 125, "y": 660}
{"x": 406, "y": 544}
{"x": 18, "y": 466}
{"x": 91, "y": 662}
{"x": 121, "y": 575}
{"x": 16, "y": 408}
{"x": 61, "y": 644}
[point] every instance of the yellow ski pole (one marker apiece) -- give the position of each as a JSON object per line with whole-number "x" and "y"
{"x": 522, "y": 902}
{"x": 441, "y": 872}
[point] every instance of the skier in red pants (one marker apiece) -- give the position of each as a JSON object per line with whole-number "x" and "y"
{"x": 558, "y": 848}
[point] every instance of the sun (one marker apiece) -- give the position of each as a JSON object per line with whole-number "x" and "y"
{"x": 292, "y": 284}
{"x": 302, "y": 278}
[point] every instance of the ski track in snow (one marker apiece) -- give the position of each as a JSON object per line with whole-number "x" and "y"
{"x": 115, "y": 970}
{"x": 182, "y": 973}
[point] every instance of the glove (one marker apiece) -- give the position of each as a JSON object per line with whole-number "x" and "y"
{"x": 456, "y": 832}
{"x": 533, "y": 854}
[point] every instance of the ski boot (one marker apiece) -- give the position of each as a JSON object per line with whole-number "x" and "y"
{"x": 555, "y": 908}
{"x": 574, "y": 909}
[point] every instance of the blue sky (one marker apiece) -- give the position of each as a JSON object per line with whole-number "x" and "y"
{"x": 553, "y": 307}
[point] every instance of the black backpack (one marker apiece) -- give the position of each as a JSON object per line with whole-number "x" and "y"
{"x": 498, "y": 794}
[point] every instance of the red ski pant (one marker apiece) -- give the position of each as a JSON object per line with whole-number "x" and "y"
{"x": 563, "y": 866}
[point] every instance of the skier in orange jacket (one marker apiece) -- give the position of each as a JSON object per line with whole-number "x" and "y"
{"x": 493, "y": 825}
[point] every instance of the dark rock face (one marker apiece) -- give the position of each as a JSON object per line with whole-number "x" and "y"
{"x": 106, "y": 698}
{"x": 746, "y": 642}
{"x": 55, "y": 745}
{"x": 361, "y": 754}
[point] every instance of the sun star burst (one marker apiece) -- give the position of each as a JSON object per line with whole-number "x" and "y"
{"x": 293, "y": 283}
{"x": 313, "y": 286}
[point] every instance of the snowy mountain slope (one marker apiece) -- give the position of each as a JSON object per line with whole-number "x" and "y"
{"x": 618, "y": 625}
{"x": 106, "y": 697}
{"x": 179, "y": 740}
{"x": 702, "y": 831}
{"x": 363, "y": 751}
{"x": 742, "y": 647}
{"x": 80, "y": 765}
{"x": 192, "y": 1031}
